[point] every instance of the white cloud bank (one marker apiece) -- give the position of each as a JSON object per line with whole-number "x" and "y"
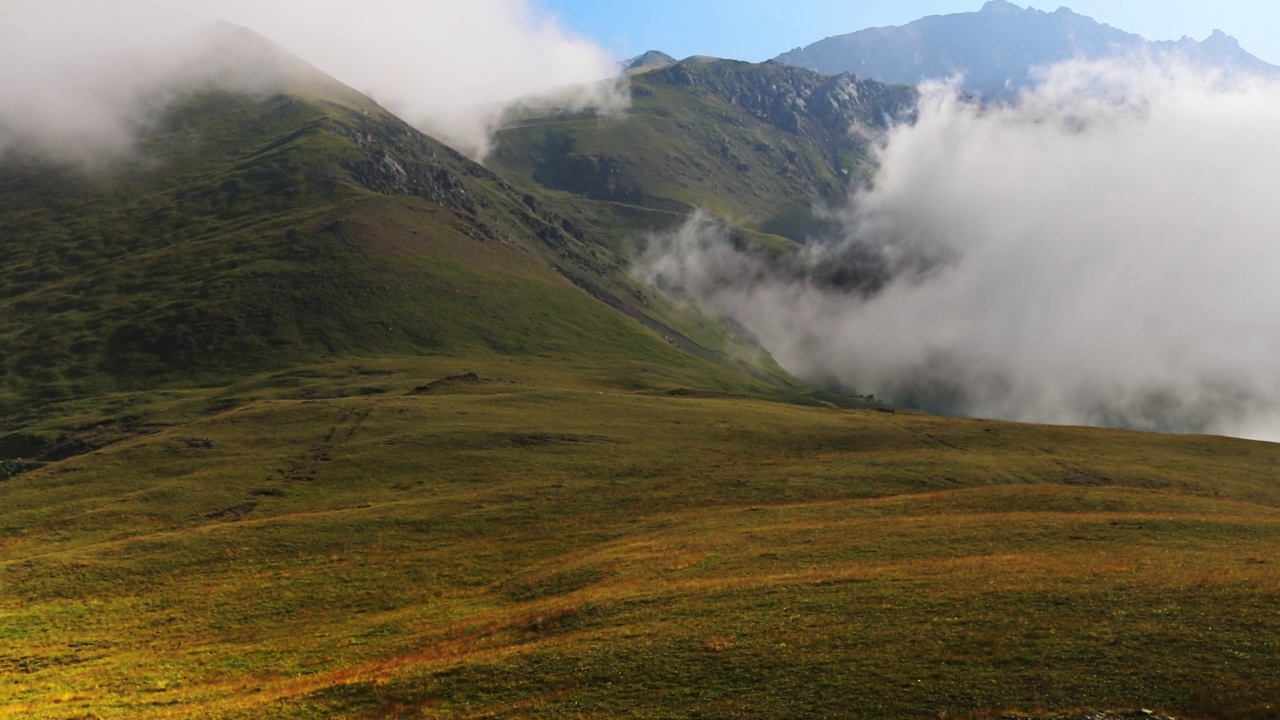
{"x": 82, "y": 75}
{"x": 1105, "y": 252}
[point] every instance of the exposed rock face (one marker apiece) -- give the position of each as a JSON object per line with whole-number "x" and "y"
{"x": 396, "y": 161}
{"x": 792, "y": 98}
{"x": 996, "y": 48}
{"x": 393, "y": 159}
{"x": 592, "y": 176}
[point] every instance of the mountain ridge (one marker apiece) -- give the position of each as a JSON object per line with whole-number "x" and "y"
{"x": 996, "y": 48}
{"x": 759, "y": 143}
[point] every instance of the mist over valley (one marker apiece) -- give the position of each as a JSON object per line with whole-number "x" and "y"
{"x": 1098, "y": 252}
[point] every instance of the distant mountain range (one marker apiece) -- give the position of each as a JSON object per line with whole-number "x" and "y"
{"x": 996, "y": 48}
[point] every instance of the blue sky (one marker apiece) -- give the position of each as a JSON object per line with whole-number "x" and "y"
{"x": 757, "y": 30}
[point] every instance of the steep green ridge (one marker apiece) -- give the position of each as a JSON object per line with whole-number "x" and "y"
{"x": 255, "y": 232}
{"x": 759, "y": 144}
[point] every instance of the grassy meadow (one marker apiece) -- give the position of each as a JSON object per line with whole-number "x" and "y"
{"x": 376, "y": 540}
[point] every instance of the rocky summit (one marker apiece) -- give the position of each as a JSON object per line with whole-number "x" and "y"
{"x": 996, "y": 49}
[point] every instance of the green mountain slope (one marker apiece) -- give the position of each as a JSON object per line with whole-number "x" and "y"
{"x": 759, "y": 144}
{"x": 256, "y": 232}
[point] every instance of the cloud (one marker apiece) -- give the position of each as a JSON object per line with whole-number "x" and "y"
{"x": 1106, "y": 251}
{"x": 83, "y": 75}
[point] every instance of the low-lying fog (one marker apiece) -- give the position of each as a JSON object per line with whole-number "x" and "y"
{"x": 1106, "y": 251}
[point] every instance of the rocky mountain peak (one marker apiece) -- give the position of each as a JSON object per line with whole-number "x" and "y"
{"x": 996, "y": 48}
{"x": 1221, "y": 39}
{"x": 1000, "y": 6}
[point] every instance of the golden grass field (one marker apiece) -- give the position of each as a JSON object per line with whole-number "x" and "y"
{"x": 543, "y": 543}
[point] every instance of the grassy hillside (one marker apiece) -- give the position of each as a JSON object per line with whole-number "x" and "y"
{"x": 760, "y": 144}
{"x": 303, "y": 415}
{"x": 531, "y": 542}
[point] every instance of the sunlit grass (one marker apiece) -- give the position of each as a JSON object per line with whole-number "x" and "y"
{"x": 543, "y": 546}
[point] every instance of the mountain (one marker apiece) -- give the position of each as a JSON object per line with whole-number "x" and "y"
{"x": 297, "y": 223}
{"x": 757, "y": 143}
{"x": 647, "y": 61}
{"x": 996, "y": 48}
